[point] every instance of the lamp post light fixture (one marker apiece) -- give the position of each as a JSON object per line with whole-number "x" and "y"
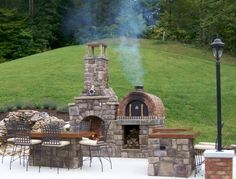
{"x": 217, "y": 49}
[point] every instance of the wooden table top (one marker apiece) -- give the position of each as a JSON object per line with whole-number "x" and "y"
{"x": 190, "y": 135}
{"x": 67, "y": 135}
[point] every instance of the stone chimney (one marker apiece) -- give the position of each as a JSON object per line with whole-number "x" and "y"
{"x": 95, "y": 70}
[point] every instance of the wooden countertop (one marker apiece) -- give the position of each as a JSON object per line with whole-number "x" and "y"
{"x": 67, "y": 135}
{"x": 175, "y": 133}
{"x": 155, "y": 130}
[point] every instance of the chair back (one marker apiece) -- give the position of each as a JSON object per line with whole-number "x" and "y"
{"x": 51, "y": 134}
{"x": 11, "y": 129}
{"x": 22, "y": 133}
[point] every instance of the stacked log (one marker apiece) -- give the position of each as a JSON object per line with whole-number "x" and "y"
{"x": 132, "y": 139}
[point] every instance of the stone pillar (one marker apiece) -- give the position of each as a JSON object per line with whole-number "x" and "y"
{"x": 171, "y": 152}
{"x": 170, "y": 157}
{"x": 219, "y": 165}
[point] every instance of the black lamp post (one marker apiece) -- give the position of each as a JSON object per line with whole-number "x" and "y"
{"x": 217, "y": 48}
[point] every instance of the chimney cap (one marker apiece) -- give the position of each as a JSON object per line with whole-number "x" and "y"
{"x": 139, "y": 88}
{"x": 96, "y": 44}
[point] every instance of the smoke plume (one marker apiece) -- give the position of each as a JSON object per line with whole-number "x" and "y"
{"x": 131, "y": 24}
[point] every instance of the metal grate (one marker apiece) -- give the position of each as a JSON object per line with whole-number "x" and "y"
{"x": 51, "y": 134}
{"x": 22, "y": 130}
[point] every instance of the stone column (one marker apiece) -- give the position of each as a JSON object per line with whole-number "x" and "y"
{"x": 171, "y": 152}
{"x": 219, "y": 164}
{"x": 170, "y": 157}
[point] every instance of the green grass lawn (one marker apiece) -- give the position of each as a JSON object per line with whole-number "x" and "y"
{"x": 181, "y": 75}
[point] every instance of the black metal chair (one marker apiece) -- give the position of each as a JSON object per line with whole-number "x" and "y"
{"x": 198, "y": 157}
{"x": 52, "y": 139}
{"x": 198, "y": 152}
{"x": 8, "y": 139}
{"x": 99, "y": 148}
{"x": 23, "y": 140}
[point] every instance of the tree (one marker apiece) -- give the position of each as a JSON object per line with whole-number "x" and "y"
{"x": 45, "y": 24}
{"x": 218, "y": 20}
{"x": 16, "y": 37}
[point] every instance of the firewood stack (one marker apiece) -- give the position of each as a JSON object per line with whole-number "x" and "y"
{"x": 132, "y": 140}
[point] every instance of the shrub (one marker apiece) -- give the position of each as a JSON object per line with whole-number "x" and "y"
{"x": 49, "y": 105}
{"x": 62, "y": 108}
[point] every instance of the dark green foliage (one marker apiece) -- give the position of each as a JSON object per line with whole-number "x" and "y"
{"x": 49, "y": 105}
{"x": 62, "y": 108}
{"x": 90, "y": 20}
{"x": 29, "y": 26}
{"x": 218, "y": 19}
{"x": 27, "y": 30}
{"x": 197, "y": 21}
{"x": 45, "y": 24}
{"x": 16, "y": 37}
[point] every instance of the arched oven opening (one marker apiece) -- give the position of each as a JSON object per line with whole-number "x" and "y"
{"x": 136, "y": 108}
{"x": 95, "y": 124}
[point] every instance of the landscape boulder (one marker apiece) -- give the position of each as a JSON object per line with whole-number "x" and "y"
{"x": 36, "y": 120}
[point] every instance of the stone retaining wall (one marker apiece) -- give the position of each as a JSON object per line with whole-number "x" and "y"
{"x": 35, "y": 118}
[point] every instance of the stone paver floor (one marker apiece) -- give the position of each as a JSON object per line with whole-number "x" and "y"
{"x": 122, "y": 168}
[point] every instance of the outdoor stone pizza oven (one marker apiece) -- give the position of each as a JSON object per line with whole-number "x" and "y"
{"x": 131, "y": 119}
{"x": 138, "y": 113}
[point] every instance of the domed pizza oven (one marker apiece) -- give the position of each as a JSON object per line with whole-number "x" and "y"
{"x": 138, "y": 113}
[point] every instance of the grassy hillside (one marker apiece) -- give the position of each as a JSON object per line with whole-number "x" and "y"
{"x": 181, "y": 75}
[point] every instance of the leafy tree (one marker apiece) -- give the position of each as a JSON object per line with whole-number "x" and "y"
{"x": 179, "y": 19}
{"x": 16, "y": 37}
{"x": 45, "y": 24}
{"x": 29, "y": 26}
{"x": 150, "y": 10}
{"x": 217, "y": 19}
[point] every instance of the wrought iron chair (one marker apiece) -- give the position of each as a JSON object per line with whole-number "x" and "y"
{"x": 23, "y": 140}
{"x": 198, "y": 152}
{"x": 99, "y": 148}
{"x": 9, "y": 138}
{"x": 52, "y": 139}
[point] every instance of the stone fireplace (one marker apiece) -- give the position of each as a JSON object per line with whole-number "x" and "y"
{"x": 97, "y": 102}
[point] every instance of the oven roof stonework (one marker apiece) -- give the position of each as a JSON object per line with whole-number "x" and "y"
{"x": 154, "y": 103}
